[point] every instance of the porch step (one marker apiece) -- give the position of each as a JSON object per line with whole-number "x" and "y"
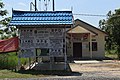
{"x": 48, "y": 66}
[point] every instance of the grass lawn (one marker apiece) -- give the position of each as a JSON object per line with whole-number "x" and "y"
{"x": 10, "y": 74}
{"x": 112, "y": 56}
{"x": 32, "y": 73}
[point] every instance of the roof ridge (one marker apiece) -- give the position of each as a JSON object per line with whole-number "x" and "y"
{"x": 39, "y": 11}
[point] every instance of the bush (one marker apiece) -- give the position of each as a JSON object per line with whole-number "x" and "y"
{"x": 10, "y": 61}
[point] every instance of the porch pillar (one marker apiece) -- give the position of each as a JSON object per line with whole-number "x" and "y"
{"x": 65, "y": 50}
{"x": 91, "y": 46}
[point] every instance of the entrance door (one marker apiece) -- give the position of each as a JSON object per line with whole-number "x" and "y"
{"x": 77, "y": 50}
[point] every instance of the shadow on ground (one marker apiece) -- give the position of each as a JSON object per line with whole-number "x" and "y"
{"x": 50, "y": 72}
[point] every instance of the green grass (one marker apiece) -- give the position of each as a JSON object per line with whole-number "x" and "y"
{"x": 33, "y": 73}
{"x": 111, "y": 54}
{"x": 10, "y": 74}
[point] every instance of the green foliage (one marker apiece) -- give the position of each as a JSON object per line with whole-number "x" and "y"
{"x": 2, "y": 12}
{"x": 112, "y": 26}
{"x": 5, "y": 21}
{"x": 5, "y": 31}
{"x": 111, "y": 54}
{"x": 10, "y": 60}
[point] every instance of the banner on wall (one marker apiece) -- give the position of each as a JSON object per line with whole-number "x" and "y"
{"x": 9, "y": 45}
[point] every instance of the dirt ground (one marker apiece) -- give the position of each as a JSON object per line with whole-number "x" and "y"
{"x": 104, "y": 69}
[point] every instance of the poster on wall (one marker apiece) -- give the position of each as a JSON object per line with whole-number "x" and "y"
{"x": 56, "y": 52}
{"x": 42, "y": 38}
{"x": 42, "y": 43}
{"x": 26, "y": 53}
{"x": 56, "y": 32}
{"x": 26, "y": 32}
{"x": 41, "y": 33}
{"x": 26, "y": 43}
{"x": 56, "y": 43}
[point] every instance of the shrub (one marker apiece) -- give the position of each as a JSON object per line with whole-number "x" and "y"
{"x": 10, "y": 60}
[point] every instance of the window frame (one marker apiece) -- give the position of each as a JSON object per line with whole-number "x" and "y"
{"x": 94, "y": 47}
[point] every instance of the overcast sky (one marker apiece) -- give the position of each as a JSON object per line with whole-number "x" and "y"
{"x": 97, "y": 7}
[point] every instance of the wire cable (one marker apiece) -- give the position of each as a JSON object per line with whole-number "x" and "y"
{"x": 95, "y": 15}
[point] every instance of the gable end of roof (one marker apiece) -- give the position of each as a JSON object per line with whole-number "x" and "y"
{"x": 91, "y": 26}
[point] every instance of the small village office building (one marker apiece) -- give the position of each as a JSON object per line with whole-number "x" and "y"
{"x": 86, "y": 42}
{"x": 42, "y": 34}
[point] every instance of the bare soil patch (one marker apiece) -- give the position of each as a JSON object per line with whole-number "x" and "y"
{"x": 102, "y": 69}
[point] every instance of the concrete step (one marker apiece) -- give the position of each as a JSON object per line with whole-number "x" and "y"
{"x": 48, "y": 66}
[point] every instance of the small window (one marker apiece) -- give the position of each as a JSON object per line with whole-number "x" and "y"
{"x": 37, "y": 40}
{"x": 41, "y": 41}
{"x": 59, "y": 30}
{"x": 55, "y": 30}
{"x": 59, "y": 50}
{"x": 94, "y": 46}
{"x": 52, "y": 30}
{"x": 28, "y": 40}
{"x": 45, "y": 41}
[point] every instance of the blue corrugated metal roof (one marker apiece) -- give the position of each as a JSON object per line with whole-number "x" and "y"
{"x": 41, "y": 17}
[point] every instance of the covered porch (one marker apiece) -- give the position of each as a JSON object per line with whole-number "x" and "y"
{"x": 81, "y": 43}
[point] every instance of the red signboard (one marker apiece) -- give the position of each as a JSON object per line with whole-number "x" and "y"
{"x": 9, "y": 45}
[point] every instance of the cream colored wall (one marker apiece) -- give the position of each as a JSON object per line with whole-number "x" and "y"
{"x": 85, "y": 50}
{"x": 100, "y": 53}
{"x": 100, "y": 39}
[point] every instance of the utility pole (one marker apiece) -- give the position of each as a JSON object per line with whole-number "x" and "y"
{"x": 53, "y": 5}
{"x": 46, "y": 5}
{"x": 35, "y": 5}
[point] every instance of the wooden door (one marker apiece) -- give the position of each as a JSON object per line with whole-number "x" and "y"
{"x": 77, "y": 50}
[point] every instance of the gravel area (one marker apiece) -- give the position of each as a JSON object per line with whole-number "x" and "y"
{"x": 93, "y": 71}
